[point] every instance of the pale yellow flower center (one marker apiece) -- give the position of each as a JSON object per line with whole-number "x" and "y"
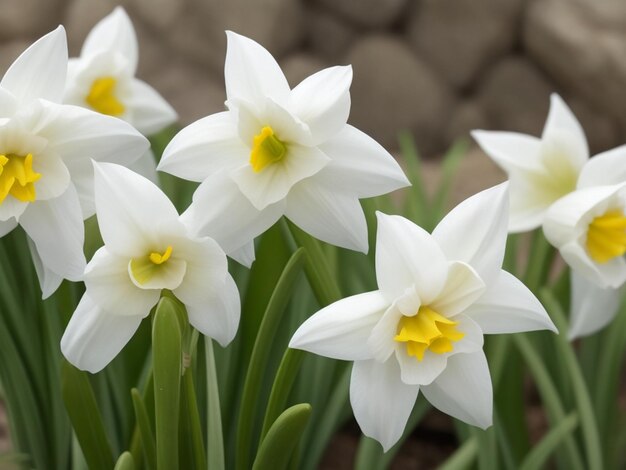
{"x": 145, "y": 267}
{"x": 428, "y": 330}
{"x": 102, "y": 97}
{"x": 17, "y": 177}
{"x": 266, "y": 149}
{"x": 606, "y": 236}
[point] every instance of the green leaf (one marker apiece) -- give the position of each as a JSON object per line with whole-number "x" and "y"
{"x": 215, "y": 438}
{"x": 463, "y": 457}
{"x": 449, "y": 169}
{"x": 583, "y": 402}
{"x": 417, "y": 204}
{"x": 167, "y": 366}
{"x": 258, "y": 361}
{"x": 125, "y": 462}
{"x": 86, "y": 419}
{"x": 282, "y": 438}
{"x": 537, "y": 457}
{"x": 194, "y": 433}
{"x": 145, "y": 430}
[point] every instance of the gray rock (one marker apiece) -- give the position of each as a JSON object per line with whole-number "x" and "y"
{"x": 327, "y": 35}
{"x": 466, "y": 116}
{"x": 368, "y": 13}
{"x": 393, "y": 90}
{"x": 515, "y": 95}
{"x": 460, "y": 37}
{"x": 602, "y": 132}
{"x": 299, "y": 66}
{"x": 582, "y": 45}
{"x": 28, "y": 18}
{"x": 195, "y": 28}
{"x": 80, "y": 16}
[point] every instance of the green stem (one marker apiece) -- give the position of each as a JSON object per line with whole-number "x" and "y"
{"x": 194, "y": 421}
{"x": 215, "y": 438}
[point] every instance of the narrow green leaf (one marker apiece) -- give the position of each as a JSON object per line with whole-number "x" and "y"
{"x": 195, "y": 428}
{"x": 449, "y": 169}
{"x": 145, "y": 430}
{"x": 258, "y": 361}
{"x": 167, "y": 366}
{"x": 417, "y": 204}
{"x": 463, "y": 457}
{"x": 125, "y": 462}
{"x": 549, "y": 396}
{"x": 215, "y": 438}
{"x": 583, "y": 402}
{"x": 536, "y": 458}
{"x": 282, "y": 438}
{"x": 321, "y": 277}
{"x": 86, "y": 419}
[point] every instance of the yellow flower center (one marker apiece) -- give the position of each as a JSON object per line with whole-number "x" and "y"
{"x": 606, "y": 236}
{"x": 102, "y": 97}
{"x": 266, "y": 149}
{"x": 427, "y": 330}
{"x": 17, "y": 177}
{"x": 144, "y": 268}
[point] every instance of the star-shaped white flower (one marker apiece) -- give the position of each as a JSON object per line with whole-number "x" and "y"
{"x": 278, "y": 151}
{"x": 146, "y": 249}
{"x": 423, "y": 329}
{"x": 103, "y": 79}
{"x": 46, "y": 177}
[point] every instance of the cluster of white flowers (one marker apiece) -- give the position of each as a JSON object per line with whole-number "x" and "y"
{"x": 71, "y": 134}
{"x": 579, "y": 202}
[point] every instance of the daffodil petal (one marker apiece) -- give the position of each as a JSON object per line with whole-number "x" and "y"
{"x": 48, "y": 280}
{"x": 205, "y": 147}
{"x": 251, "y": 73}
{"x": 381, "y": 402}
{"x": 109, "y": 285}
{"x": 407, "y": 256}
{"x": 150, "y": 112}
{"x": 113, "y": 33}
{"x": 508, "y": 306}
{"x": 146, "y": 167}
{"x": 592, "y": 307}
{"x": 463, "y": 390}
{"x": 220, "y": 211}
{"x": 322, "y": 101}
{"x": 328, "y": 215}
{"x": 56, "y": 228}
{"x": 359, "y": 165}
{"x": 610, "y": 274}
{"x": 462, "y": 288}
{"x": 563, "y": 129}
{"x": 7, "y": 226}
{"x": 244, "y": 255}
{"x": 606, "y": 168}
{"x": 475, "y": 231}
{"x": 93, "y": 337}
{"x": 40, "y": 71}
{"x": 218, "y": 316}
{"x": 415, "y": 372}
{"x": 131, "y": 209}
{"x": 511, "y": 151}
{"x": 341, "y": 330}
{"x": 8, "y": 103}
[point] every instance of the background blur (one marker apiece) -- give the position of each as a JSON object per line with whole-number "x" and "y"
{"x": 436, "y": 67}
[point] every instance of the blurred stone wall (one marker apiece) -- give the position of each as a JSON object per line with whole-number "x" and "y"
{"x": 436, "y": 67}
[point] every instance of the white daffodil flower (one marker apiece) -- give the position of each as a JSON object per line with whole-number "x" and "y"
{"x": 278, "y": 151}
{"x": 46, "y": 177}
{"x": 147, "y": 249}
{"x": 103, "y": 79}
{"x": 540, "y": 170}
{"x": 423, "y": 329}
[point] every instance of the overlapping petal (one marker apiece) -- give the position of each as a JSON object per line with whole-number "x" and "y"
{"x": 93, "y": 337}
{"x": 328, "y": 215}
{"x": 592, "y": 307}
{"x": 114, "y": 33}
{"x": 407, "y": 256}
{"x": 606, "y": 168}
{"x": 341, "y": 330}
{"x": 150, "y": 111}
{"x": 463, "y": 390}
{"x": 40, "y": 71}
{"x": 380, "y": 400}
{"x": 508, "y": 306}
{"x": 359, "y": 165}
{"x": 56, "y": 228}
{"x": 251, "y": 73}
{"x": 462, "y": 288}
{"x": 205, "y": 147}
{"x": 475, "y": 231}
{"x": 49, "y": 281}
